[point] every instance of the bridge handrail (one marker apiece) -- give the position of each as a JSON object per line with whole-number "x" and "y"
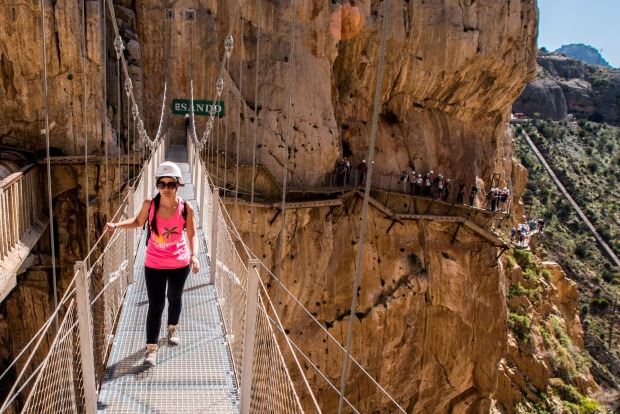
{"x": 20, "y": 206}
{"x": 235, "y": 243}
{"x": 53, "y": 376}
{"x": 231, "y": 282}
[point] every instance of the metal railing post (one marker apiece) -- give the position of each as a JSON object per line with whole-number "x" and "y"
{"x": 201, "y": 200}
{"x": 195, "y": 162}
{"x": 215, "y": 209}
{"x": 131, "y": 235}
{"x": 86, "y": 345}
{"x": 197, "y": 187}
{"x": 249, "y": 335}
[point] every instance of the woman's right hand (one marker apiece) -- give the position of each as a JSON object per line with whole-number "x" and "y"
{"x": 110, "y": 227}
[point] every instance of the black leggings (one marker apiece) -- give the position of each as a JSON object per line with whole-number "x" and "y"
{"x": 156, "y": 280}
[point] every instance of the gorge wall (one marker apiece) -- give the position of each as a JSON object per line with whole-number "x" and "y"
{"x": 431, "y": 318}
{"x": 452, "y": 70}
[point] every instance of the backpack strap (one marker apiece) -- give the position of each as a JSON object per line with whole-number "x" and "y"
{"x": 184, "y": 212}
{"x": 148, "y": 222}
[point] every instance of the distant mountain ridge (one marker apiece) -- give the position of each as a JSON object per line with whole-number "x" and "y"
{"x": 566, "y": 85}
{"x": 585, "y": 53}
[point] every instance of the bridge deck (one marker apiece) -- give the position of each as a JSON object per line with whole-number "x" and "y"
{"x": 193, "y": 377}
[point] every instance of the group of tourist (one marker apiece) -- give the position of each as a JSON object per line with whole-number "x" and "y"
{"x": 497, "y": 199}
{"x": 521, "y": 234}
{"x": 427, "y": 185}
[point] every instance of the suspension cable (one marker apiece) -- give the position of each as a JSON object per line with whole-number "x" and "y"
{"x": 244, "y": 247}
{"x": 286, "y": 153}
{"x": 218, "y": 130}
{"x": 119, "y": 113}
{"x": 86, "y": 185}
{"x": 119, "y": 46}
{"x": 278, "y": 323}
{"x": 128, "y": 82}
{"x": 242, "y": 110}
{"x": 49, "y": 184}
{"x": 49, "y": 167}
{"x": 360, "y": 249}
{"x": 226, "y": 133}
{"x": 104, "y": 111}
{"x": 254, "y": 128}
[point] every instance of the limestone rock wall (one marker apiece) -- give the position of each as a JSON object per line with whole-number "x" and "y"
{"x": 22, "y": 97}
{"x": 452, "y": 71}
{"x": 544, "y": 343}
{"x": 430, "y": 323}
{"x": 564, "y": 85}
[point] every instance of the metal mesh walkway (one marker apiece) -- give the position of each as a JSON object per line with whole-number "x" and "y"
{"x": 194, "y": 377}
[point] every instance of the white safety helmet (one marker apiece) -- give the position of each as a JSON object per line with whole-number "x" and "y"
{"x": 169, "y": 169}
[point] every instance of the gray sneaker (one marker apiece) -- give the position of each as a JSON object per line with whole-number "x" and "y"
{"x": 173, "y": 335}
{"x": 150, "y": 356}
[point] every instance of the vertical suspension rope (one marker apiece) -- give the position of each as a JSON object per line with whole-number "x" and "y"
{"x": 104, "y": 112}
{"x": 49, "y": 167}
{"x": 133, "y": 147}
{"x": 239, "y": 104}
{"x": 285, "y": 172}
{"x": 119, "y": 114}
{"x": 360, "y": 249}
{"x": 260, "y": 11}
{"x": 216, "y": 136}
{"x": 291, "y": 67}
{"x": 128, "y": 138}
{"x": 86, "y": 184}
{"x": 191, "y": 81}
{"x": 226, "y": 131}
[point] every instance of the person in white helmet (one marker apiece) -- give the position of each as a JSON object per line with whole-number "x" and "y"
{"x": 169, "y": 254}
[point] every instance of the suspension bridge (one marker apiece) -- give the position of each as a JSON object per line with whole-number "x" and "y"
{"x": 236, "y": 355}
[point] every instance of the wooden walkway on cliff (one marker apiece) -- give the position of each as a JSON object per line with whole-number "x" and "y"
{"x": 396, "y": 207}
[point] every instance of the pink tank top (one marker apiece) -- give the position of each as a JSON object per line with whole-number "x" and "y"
{"x": 168, "y": 249}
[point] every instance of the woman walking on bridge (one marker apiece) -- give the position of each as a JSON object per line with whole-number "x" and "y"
{"x": 169, "y": 256}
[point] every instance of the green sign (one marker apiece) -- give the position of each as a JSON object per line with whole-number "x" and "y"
{"x": 182, "y": 107}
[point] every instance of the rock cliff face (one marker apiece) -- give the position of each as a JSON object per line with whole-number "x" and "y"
{"x": 565, "y": 85}
{"x": 545, "y": 341}
{"x": 22, "y": 98}
{"x": 431, "y": 318}
{"x": 452, "y": 70}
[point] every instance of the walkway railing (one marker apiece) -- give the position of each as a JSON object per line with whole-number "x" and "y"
{"x": 20, "y": 205}
{"x": 61, "y": 368}
{"x": 274, "y": 388}
{"x": 251, "y": 337}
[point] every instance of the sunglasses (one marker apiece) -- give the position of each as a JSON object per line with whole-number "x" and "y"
{"x": 170, "y": 184}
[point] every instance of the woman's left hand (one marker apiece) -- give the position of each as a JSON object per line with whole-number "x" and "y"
{"x": 194, "y": 264}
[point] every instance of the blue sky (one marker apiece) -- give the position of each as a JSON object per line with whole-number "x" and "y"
{"x": 594, "y": 22}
